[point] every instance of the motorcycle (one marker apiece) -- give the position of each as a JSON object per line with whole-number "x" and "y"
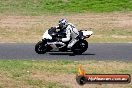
{"x": 50, "y": 43}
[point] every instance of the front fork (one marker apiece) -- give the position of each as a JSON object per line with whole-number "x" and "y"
{"x": 44, "y": 41}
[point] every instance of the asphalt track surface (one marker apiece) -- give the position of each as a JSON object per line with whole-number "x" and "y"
{"x": 96, "y": 51}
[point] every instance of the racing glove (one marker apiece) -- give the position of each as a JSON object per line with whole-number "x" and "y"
{"x": 53, "y": 28}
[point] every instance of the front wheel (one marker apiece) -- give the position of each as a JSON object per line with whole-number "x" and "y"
{"x": 40, "y": 47}
{"x": 80, "y": 47}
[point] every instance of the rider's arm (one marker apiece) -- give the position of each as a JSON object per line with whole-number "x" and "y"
{"x": 68, "y": 33}
{"x": 57, "y": 27}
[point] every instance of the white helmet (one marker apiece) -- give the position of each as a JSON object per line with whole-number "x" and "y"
{"x": 63, "y": 23}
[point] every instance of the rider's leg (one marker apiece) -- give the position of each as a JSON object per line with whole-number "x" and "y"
{"x": 72, "y": 42}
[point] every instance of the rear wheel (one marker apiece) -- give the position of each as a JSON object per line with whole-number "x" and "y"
{"x": 40, "y": 48}
{"x": 80, "y": 47}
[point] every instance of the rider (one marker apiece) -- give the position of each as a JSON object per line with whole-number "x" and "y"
{"x": 70, "y": 30}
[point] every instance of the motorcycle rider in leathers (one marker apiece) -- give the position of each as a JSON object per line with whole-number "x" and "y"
{"x": 70, "y": 31}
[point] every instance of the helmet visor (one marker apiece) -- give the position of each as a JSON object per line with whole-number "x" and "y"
{"x": 61, "y": 25}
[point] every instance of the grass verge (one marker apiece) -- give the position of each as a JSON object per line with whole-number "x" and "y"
{"x": 115, "y": 27}
{"x": 57, "y": 73}
{"x": 40, "y": 7}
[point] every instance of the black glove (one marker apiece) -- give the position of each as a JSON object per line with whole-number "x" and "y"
{"x": 53, "y": 28}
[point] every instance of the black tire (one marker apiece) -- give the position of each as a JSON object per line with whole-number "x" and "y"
{"x": 81, "y": 80}
{"x": 40, "y": 48}
{"x": 80, "y": 47}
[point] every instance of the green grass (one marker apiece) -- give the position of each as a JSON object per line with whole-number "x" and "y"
{"x": 39, "y": 7}
{"x": 20, "y": 67}
{"x": 46, "y": 74}
{"x": 44, "y": 84}
{"x": 17, "y": 70}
